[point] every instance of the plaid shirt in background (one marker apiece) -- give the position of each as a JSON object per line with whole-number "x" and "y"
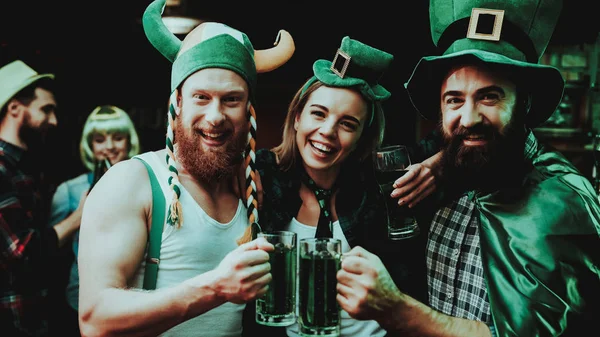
{"x": 23, "y": 246}
{"x": 455, "y": 274}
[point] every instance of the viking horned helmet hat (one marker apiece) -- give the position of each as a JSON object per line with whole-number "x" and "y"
{"x": 213, "y": 45}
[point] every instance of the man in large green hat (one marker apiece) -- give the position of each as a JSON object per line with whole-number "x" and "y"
{"x": 513, "y": 248}
{"x": 159, "y": 251}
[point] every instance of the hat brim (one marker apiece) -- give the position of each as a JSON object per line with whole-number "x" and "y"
{"x": 323, "y": 72}
{"x": 543, "y": 83}
{"x": 8, "y": 93}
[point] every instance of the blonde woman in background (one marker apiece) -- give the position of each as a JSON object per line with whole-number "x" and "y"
{"x": 108, "y": 134}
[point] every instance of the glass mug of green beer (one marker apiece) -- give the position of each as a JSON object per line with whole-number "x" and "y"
{"x": 318, "y": 310}
{"x": 277, "y": 307}
{"x": 391, "y": 163}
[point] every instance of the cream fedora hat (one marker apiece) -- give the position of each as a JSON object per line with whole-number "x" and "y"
{"x": 16, "y": 76}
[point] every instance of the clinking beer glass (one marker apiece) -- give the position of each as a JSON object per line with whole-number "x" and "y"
{"x": 318, "y": 309}
{"x": 277, "y": 307}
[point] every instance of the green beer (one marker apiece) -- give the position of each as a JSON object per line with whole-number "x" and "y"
{"x": 280, "y": 297}
{"x": 278, "y": 305}
{"x": 319, "y": 312}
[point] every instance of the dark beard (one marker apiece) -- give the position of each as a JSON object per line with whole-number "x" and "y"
{"x": 34, "y": 137}
{"x": 31, "y": 135}
{"x": 203, "y": 165}
{"x": 488, "y": 167}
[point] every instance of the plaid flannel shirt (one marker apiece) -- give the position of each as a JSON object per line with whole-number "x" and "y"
{"x": 23, "y": 245}
{"x": 455, "y": 272}
{"x": 455, "y": 276}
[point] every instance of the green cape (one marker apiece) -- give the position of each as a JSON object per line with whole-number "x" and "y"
{"x": 541, "y": 250}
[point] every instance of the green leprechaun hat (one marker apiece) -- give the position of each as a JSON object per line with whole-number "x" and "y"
{"x": 357, "y": 65}
{"x": 507, "y": 33}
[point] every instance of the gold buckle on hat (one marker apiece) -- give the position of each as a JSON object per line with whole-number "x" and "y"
{"x": 498, "y": 18}
{"x": 337, "y": 66}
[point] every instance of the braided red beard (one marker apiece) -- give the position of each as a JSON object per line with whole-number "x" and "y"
{"x": 212, "y": 165}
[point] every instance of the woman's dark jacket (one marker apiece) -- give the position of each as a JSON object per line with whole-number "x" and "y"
{"x": 361, "y": 212}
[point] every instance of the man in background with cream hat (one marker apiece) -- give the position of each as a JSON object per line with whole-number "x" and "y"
{"x": 27, "y": 244}
{"x": 513, "y": 247}
{"x": 203, "y": 277}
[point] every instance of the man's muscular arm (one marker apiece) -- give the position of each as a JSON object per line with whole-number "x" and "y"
{"x": 114, "y": 232}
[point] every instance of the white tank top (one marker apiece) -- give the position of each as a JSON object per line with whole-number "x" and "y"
{"x": 196, "y": 247}
{"x": 349, "y": 326}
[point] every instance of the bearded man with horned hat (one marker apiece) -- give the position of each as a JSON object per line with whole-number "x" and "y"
{"x": 159, "y": 252}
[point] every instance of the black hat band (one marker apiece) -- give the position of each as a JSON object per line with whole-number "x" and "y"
{"x": 510, "y": 33}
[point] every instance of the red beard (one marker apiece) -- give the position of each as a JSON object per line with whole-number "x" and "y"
{"x": 212, "y": 165}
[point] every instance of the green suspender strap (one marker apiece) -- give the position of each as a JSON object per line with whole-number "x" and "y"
{"x": 158, "y": 220}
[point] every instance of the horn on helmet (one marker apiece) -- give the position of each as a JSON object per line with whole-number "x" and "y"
{"x": 270, "y": 59}
{"x": 157, "y": 33}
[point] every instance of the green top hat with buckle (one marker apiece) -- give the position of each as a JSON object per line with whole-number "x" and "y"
{"x": 505, "y": 33}
{"x": 355, "y": 65}
{"x": 14, "y": 77}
